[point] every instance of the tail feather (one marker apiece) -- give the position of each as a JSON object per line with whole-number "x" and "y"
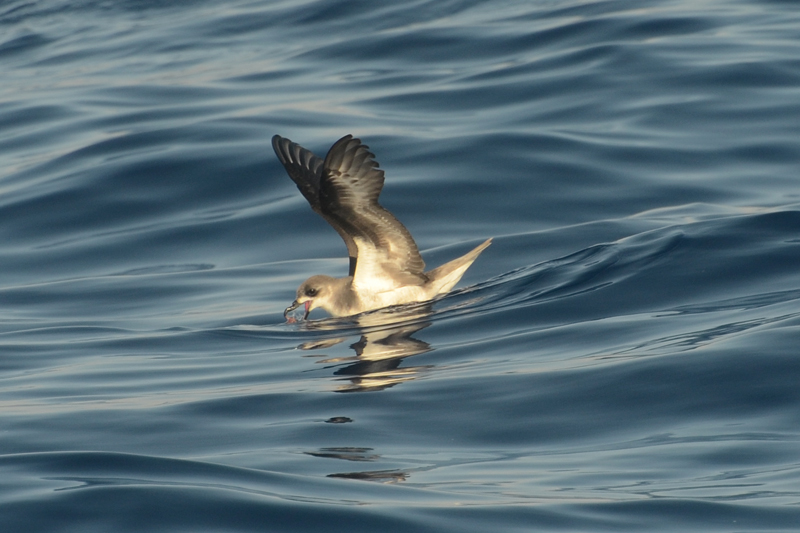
{"x": 444, "y": 278}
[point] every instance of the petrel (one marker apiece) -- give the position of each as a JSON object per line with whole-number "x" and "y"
{"x": 385, "y": 265}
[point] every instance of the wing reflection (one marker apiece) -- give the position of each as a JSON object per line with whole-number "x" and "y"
{"x": 346, "y": 454}
{"x": 380, "y": 476}
{"x": 360, "y": 455}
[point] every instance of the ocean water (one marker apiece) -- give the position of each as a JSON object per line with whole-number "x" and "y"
{"x": 624, "y": 357}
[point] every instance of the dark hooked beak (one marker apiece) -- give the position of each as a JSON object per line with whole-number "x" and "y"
{"x": 295, "y": 305}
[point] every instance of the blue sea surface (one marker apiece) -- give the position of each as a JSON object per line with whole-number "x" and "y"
{"x": 625, "y": 356}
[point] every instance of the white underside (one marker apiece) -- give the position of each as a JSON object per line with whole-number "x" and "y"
{"x": 401, "y": 295}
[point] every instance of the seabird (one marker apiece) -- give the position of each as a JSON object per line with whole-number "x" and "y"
{"x": 385, "y": 265}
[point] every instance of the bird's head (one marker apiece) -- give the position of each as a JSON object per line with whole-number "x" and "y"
{"x": 314, "y": 292}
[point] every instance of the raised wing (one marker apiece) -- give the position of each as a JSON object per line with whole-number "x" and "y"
{"x": 348, "y": 194}
{"x": 305, "y": 169}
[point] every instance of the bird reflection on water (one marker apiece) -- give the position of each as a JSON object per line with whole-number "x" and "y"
{"x": 386, "y": 340}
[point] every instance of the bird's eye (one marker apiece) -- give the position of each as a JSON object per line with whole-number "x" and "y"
{"x": 311, "y": 291}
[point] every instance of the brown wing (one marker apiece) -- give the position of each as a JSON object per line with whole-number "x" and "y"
{"x": 348, "y": 194}
{"x": 305, "y": 169}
